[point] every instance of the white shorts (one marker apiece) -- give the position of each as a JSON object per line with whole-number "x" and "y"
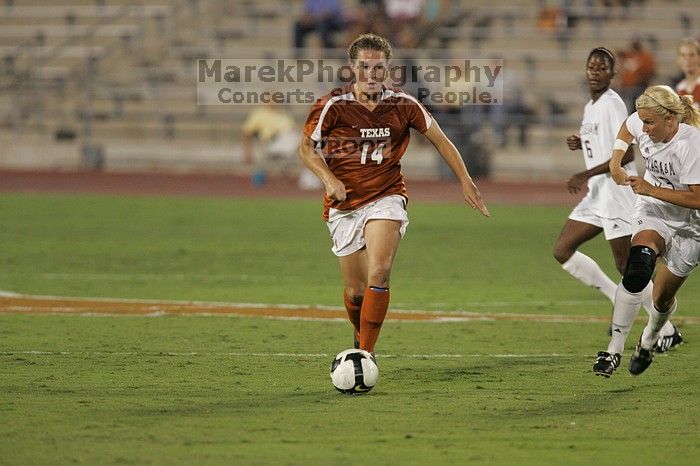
{"x": 682, "y": 246}
{"x": 683, "y": 255}
{"x": 650, "y": 217}
{"x": 612, "y": 227}
{"x": 347, "y": 227}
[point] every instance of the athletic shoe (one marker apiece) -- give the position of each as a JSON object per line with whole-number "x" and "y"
{"x": 606, "y": 363}
{"x": 640, "y": 360}
{"x": 664, "y": 344}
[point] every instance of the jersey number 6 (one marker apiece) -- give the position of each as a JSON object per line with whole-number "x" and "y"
{"x": 376, "y": 155}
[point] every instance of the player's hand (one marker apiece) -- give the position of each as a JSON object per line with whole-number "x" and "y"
{"x": 574, "y": 184}
{"x": 473, "y": 198}
{"x": 619, "y": 175}
{"x": 335, "y": 189}
{"x": 639, "y": 185}
{"x": 574, "y": 142}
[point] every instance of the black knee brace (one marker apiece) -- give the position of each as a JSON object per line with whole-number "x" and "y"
{"x": 640, "y": 266}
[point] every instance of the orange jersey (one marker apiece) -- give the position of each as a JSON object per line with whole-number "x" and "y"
{"x": 363, "y": 148}
{"x": 687, "y": 88}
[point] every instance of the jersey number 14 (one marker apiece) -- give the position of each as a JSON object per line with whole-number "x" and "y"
{"x": 376, "y": 155}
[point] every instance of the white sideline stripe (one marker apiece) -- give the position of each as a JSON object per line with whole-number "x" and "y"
{"x": 9, "y": 294}
{"x": 253, "y": 278}
{"x": 280, "y": 355}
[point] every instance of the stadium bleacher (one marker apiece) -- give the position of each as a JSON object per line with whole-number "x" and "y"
{"x": 120, "y": 76}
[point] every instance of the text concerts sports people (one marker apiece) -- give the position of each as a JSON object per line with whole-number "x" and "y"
{"x": 607, "y": 207}
{"x": 364, "y": 131}
{"x": 667, "y": 219}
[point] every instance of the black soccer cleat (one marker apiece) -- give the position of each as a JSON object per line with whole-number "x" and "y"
{"x": 663, "y": 344}
{"x": 640, "y": 360}
{"x": 606, "y": 363}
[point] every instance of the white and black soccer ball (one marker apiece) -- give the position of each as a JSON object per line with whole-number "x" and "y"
{"x": 354, "y": 371}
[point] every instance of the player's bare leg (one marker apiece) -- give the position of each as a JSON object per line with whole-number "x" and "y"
{"x": 382, "y": 239}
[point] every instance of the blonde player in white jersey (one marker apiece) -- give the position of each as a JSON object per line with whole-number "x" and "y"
{"x": 607, "y": 207}
{"x": 667, "y": 219}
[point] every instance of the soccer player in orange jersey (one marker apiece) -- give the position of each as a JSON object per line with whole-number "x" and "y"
{"x": 364, "y": 129}
{"x": 689, "y": 63}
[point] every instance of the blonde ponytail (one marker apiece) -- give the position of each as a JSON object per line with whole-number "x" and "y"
{"x": 691, "y": 116}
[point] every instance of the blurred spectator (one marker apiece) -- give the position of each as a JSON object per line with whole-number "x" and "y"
{"x": 557, "y": 20}
{"x": 404, "y": 10}
{"x": 410, "y": 23}
{"x": 278, "y": 138}
{"x": 689, "y": 63}
{"x": 368, "y": 15}
{"x": 404, "y": 20}
{"x": 324, "y": 17}
{"x": 273, "y": 128}
{"x": 550, "y": 18}
{"x": 637, "y": 69}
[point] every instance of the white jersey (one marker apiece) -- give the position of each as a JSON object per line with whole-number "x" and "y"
{"x": 674, "y": 165}
{"x": 601, "y": 121}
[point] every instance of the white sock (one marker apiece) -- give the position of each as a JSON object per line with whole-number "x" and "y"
{"x": 647, "y": 298}
{"x": 589, "y": 272}
{"x": 657, "y": 320}
{"x": 625, "y": 309}
{"x": 668, "y": 329}
{"x": 648, "y": 303}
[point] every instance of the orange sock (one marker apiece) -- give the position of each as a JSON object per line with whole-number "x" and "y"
{"x": 352, "y": 306}
{"x": 374, "y": 307}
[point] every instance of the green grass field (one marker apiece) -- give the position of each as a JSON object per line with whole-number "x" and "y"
{"x": 252, "y": 391}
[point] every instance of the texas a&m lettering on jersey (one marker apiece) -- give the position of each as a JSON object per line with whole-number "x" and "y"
{"x": 363, "y": 148}
{"x": 661, "y": 168}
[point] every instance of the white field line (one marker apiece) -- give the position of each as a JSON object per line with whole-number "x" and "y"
{"x": 118, "y": 277}
{"x": 279, "y": 355}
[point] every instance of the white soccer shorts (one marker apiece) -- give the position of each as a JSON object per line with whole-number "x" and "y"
{"x": 683, "y": 255}
{"x": 347, "y": 227}
{"x": 612, "y": 227}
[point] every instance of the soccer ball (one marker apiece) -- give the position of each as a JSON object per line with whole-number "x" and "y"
{"x": 354, "y": 372}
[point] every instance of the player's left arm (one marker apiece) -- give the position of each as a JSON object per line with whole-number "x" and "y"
{"x": 689, "y": 198}
{"x": 451, "y": 155}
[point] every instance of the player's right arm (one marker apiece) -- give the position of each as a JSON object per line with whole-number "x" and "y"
{"x": 335, "y": 189}
{"x": 616, "y": 171}
{"x": 576, "y": 182}
{"x": 574, "y": 142}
